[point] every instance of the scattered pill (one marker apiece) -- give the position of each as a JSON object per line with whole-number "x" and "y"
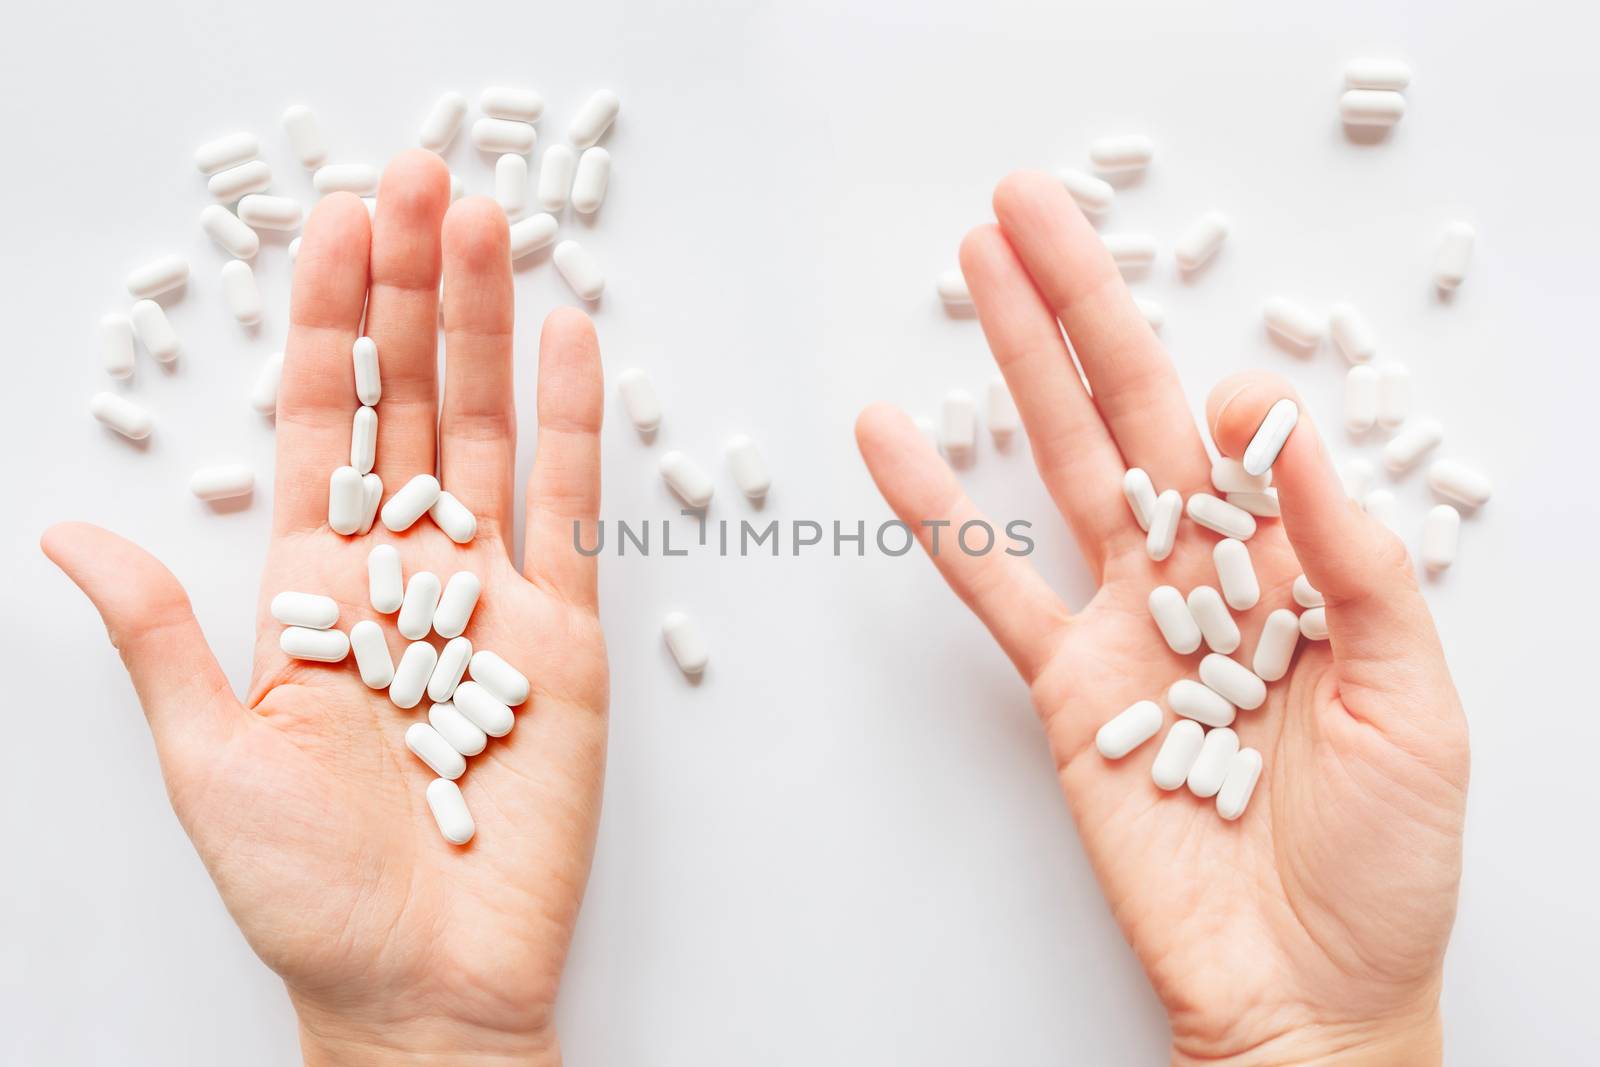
{"x": 1177, "y": 754}
{"x": 1305, "y": 594}
{"x": 116, "y": 345}
{"x": 371, "y": 495}
{"x": 593, "y": 178}
{"x": 518, "y": 105}
{"x": 687, "y": 644}
{"x": 450, "y": 812}
{"x": 364, "y": 441}
{"x": 358, "y": 178}
{"x": 347, "y": 500}
{"x": 235, "y": 182}
{"x": 1153, "y": 312}
{"x": 1270, "y": 436}
{"x": 1211, "y": 615}
{"x": 369, "y": 382}
{"x": 1392, "y": 74}
{"x": 580, "y": 270}
{"x": 1131, "y": 251}
{"x": 685, "y": 478}
{"x": 462, "y": 733}
{"x": 1224, "y": 518}
{"x": 1459, "y": 483}
{"x": 1171, "y": 614}
{"x": 225, "y": 152}
{"x": 1236, "y": 574}
{"x": 1454, "y": 255}
{"x": 385, "y": 587}
{"x": 305, "y": 136}
{"x": 748, "y": 467}
{"x": 453, "y": 659}
{"x": 501, "y": 679}
{"x": 410, "y": 503}
{"x": 594, "y": 118}
{"x": 426, "y": 744}
{"x": 1163, "y": 533}
{"x": 1291, "y": 322}
{"x": 1128, "y": 729}
{"x": 639, "y": 400}
{"x": 1201, "y": 241}
{"x": 1351, "y": 334}
{"x": 224, "y": 481}
{"x": 442, "y": 121}
{"x": 122, "y": 415}
{"x": 1121, "y": 154}
{"x": 1380, "y": 504}
{"x": 154, "y": 330}
{"x": 1314, "y": 624}
{"x": 1233, "y": 681}
{"x": 454, "y": 518}
{"x": 1275, "y": 646}
{"x": 1416, "y": 439}
{"x": 511, "y": 184}
{"x": 271, "y": 212}
{"x": 1229, "y": 476}
{"x": 294, "y": 250}
{"x": 952, "y": 288}
{"x": 1141, "y": 496}
{"x": 230, "y": 234}
{"x": 1441, "y": 537}
{"x": 318, "y": 646}
{"x": 455, "y": 606}
{"x": 1194, "y": 701}
{"x": 457, "y": 189}
{"x": 1361, "y": 398}
{"x": 500, "y": 136}
{"x": 482, "y": 708}
{"x": 1262, "y": 505}
{"x": 1094, "y": 195}
{"x": 412, "y": 673}
{"x": 1371, "y": 107}
{"x": 1211, "y": 765}
{"x": 533, "y": 233}
{"x": 1394, "y": 394}
{"x": 371, "y": 204}
{"x": 158, "y": 276}
{"x": 1357, "y": 474}
{"x": 372, "y": 654}
{"x": 958, "y": 425}
{"x": 556, "y": 170}
{"x": 1002, "y": 416}
{"x": 416, "y": 610}
{"x": 1239, "y": 784}
{"x": 240, "y": 291}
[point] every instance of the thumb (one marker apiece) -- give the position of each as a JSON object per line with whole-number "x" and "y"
{"x": 147, "y": 615}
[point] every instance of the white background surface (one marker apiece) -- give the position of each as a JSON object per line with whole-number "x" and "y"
{"x": 847, "y": 844}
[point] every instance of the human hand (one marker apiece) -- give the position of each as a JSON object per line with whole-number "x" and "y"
{"x": 304, "y": 803}
{"x": 1314, "y": 928}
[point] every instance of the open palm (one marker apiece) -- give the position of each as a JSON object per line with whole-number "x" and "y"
{"x": 304, "y": 802}
{"x": 1316, "y": 924}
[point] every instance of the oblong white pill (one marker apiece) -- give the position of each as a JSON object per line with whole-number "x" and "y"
{"x": 240, "y": 291}
{"x": 116, "y": 345}
{"x": 364, "y": 441}
{"x": 533, "y": 233}
{"x": 1131, "y": 251}
{"x": 1140, "y": 494}
{"x": 556, "y": 169}
{"x": 347, "y": 500}
{"x": 639, "y": 399}
{"x": 1239, "y": 784}
{"x": 411, "y": 674}
{"x": 1416, "y": 439}
{"x": 1351, "y": 334}
{"x": 1192, "y": 700}
{"x": 358, "y": 178}
{"x": 1454, "y": 256}
{"x": 1153, "y": 312}
{"x": 686, "y": 642}
{"x": 1275, "y": 646}
{"x": 385, "y": 587}
{"x": 1128, "y": 729}
{"x": 462, "y": 733}
{"x": 294, "y": 250}
{"x": 154, "y": 330}
{"x": 1441, "y": 537}
{"x": 229, "y": 185}
{"x": 1121, "y": 154}
{"x": 507, "y": 684}
{"x": 482, "y": 708}
{"x": 1270, "y": 436}
{"x": 1163, "y": 533}
{"x": 369, "y": 382}
{"x": 271, "y": 212}
{"x": 1216, "y": 624}
{"x": 1221, "y": 516}
{"x": 455, "y": 606}
{"x": 1233, "y": 681}
{"x": 501, "y": 136}
{"x": 951, "y": 285}
{"x": 958, "y": 425}
{"x": 1292, "y": 322}
{"x": 158, "y": 276}
{"x": 685, "y": 478}
{"x": 511, "y": 184}
{"x": 426, "y": 744}
{"x": 305, "y": 136}
{"x": 1392, "y": 74}
{"x": 122, "y": 415}
{"x": 1356, "y": 473}
{"x": 416, "y": 610}
{"x": 1171, "y": 614}
{"x": 318, "y": 646}
{"x": 223, "y": 481}
{"x": 1394, "y": 394}
{"x": 591, "y": 181}
{"x": 594, "y": 118}
{"x": 1361, "y": 398}
{"x": 505, "y": 102}
{"x": 1371, "y": 107}
{"x": 1262, "y": 505}
{"x": 1211, "y": 765}
{"x": 1236, "y": 574}
{"x": 410, "y": 503}
{"x": 454, "y": 518}
{"x": 1314, "y": 624}
{"x": 1305, "y": 594}
{"x": 372, "y": 494}
{"x": 1093, "y": 195}
{"x": 1201, "y": 240}
{"x": 580, "y": 270}
{"x": 439, "y": 126}
{"x": 1177, "y": 754}
{"x": 1229, "y": 476}
{"x": 1459, "y": 483}
{"x": 453, "y": 660}
{"x": 450, "y": 812}
{"x": 1001, "y": 411}
{"x": 372, "y": 654}
{"x": 1381, "y": 505}
{"x": 748, "y": 467}
{"x": 225, "y": 152}
{"x": 229, "y": 232}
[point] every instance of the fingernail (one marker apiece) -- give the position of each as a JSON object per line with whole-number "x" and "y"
{"x": 1268, "y": 441}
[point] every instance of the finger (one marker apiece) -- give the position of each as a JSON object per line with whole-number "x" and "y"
{"x": 1004, "y": 592}
{"x": 1133, "y": 382}
{"x": 1071, "y": 446}
{"x": 565, "y": 486}
{"x": 185, "y": 695}
{"x": 403, "y": 312}
{"x": 317, "y": 395}
{"x": 478, "y": 427}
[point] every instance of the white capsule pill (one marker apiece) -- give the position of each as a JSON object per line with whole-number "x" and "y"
{"x": 305, "y": 136}
{"x": 1121, "y": 154}
{"x": 687, "y": 644}
{"x": 511, "y": 184}
{"x": 1171, "y": 614}
{"x": 1441, "y": 537}
{"x": 579, "y": 270}
{"x": 271, "y": 212}
{"x": 385, "y": 587}
{"x": 307, "y": 610}
{"x": 235, "y": 182}
{"x": 958, "y": 425}
{"x": 426, "y": 744}
{"x": 1163, "y": 533}
{"x": 411, "y": 674}
{"x": 1001, "y": 414}
{"x": 1140, "y": 493}
{"x": 294, "y": 250}
{"x": 1236, "y": 574}
{"x": 116, "y": 345}
{"x": 224, "y": 481}
{"x": 639, "y": 400}
{"x": 1263, "y": 504}
{"x": 556, "y": 170}
{"x": 1153, "y": 312}
{"x": 463, "y": 735}
{"x": 951, "y": 286}
{"x": 1093, "y": 195}
{"x": 1357, "y": 474}
{"x": 1416, "y": 439}
{"x": 154, "y": 330}
{"x": 240, "y": 291}
{"x": 225, "y": 152}
{"x": 1454, "y": 255}
{"x": 372, "y": 654}
{"x": 457, "y": 189}
{"x": 748, "y": 467}
{"x": 520, "y": 105}
{"x": 1239, "y": 784}
{"x": 1201, "y": 241}
{"x": 1306, "y": 594}
{"x": 1361, "y": 398}
{"x": 450, "y": 812}
{"x": 372, "y": 494}
{"x": 1270, "y": 436}
{"x": 1192, "y": 700}
{"x": 1459, "y": 483}
{"x": 369, "y": 382}
{"x": 1275, "y": 646}
{"x": 1371, "y": 107}
{"x": 230, "y": 234}
{"x": 158, "y": 276}
{"x": 500, "y": 136}
{"x": 1177, "y": 754}
{"x": 594, "y": 118}
{"x": 685, "y": 478}
{"x": 454, "y": 611}
{"x": 1131, "y": 251}
{"x": 503, "y": 681}
{"x": 1394, "y": 394}
{"x": 410, "y": 503}
{"x": 318, "y": 646}
{"x": 1292, "y": 322}
{"x": 533, "y": 233}
{"x": 1392, "y": 74}
{"x": 482, "y": 708}
{"x": 364, "y": 440}
{"x": 1314, "y": 624}
{"x": 1211, "y": 765}
{"x": 1221, "y": 516}
{"x": 122, "y": 415}
{"x": 1211, "y": 615}
{"x": 1129, "y": 729}
{"x": 1351, "y": 334}
{"x": 347, "y": 500}
{"x": 442, "y": 121}
{"x": 1380, "y": 504}
{"x": 453, "y": 659}
{"x": 454, "y": 518}
{"x": 1233, "y": 681}
{"x": 358, "y": 178}
{"x": 1229, "y": 476}
{"x": 590, "y": 184}
{"x": 416, "y": 610}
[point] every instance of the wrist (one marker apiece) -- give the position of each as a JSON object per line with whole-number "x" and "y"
{"x": 326, "y": 1040}
{"x": 1415, "y": 1039}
